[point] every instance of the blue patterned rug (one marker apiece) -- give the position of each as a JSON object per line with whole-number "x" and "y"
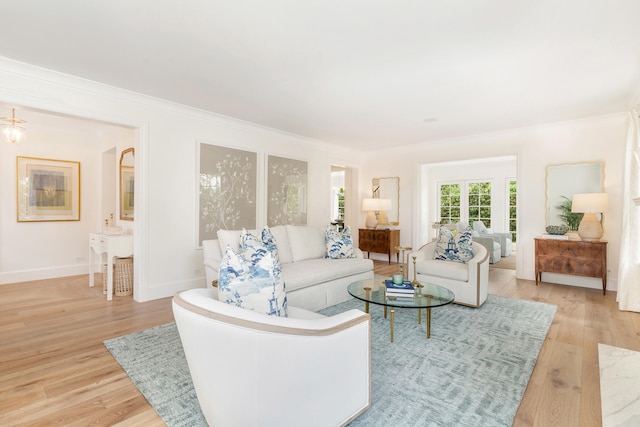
{"x": 473, "y": 370}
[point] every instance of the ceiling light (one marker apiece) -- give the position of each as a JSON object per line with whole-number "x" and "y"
{"x": 13, "y": 133}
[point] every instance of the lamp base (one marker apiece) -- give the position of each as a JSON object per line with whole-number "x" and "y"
{"x": 590, "y": 229}
{"x": 371, "y": 222}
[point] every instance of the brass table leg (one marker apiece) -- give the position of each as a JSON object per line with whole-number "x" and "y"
{"x": 366, "y": 304}
{"x": 419, "y": 316}
{"x": 385, "y": 311}
{"x": 392, "y": 318}
{"x": 428, "y": 322}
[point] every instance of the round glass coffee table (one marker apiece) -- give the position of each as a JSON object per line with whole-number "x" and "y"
{"x": 425, "y": 295}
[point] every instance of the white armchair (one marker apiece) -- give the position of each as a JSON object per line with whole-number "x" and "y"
{"x": 503, "y": 238}
{"x": 469, "y": 282}
{"x": 250, "y": 369}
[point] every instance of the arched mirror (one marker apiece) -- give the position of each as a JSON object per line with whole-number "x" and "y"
{"x": 127, "y": 184}
{"x": 388, "y": 188}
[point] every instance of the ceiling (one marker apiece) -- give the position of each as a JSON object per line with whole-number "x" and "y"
{"x": 364, "y": 74}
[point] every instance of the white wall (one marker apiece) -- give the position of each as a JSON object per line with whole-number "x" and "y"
{"x": 35, "y": 250}
{"x": 592, "y": 139}
{"x": 165, "y": 241}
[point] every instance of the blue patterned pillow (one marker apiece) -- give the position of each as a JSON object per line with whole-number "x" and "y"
{"x": 339, "y": 243}
{"x": 252, "y": 285}
{"x": 454, "y": 248}
{"x": 253, "y": 248}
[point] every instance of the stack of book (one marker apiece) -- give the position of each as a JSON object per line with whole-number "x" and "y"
{"x": 403, "y": 290}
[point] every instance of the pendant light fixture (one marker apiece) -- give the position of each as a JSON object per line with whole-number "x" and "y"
{"x": 11, "y": 132}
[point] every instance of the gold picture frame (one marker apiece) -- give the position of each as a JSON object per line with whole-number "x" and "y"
{"x": 47, "y": 189}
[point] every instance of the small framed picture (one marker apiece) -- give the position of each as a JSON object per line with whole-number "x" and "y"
{"x": 48, "y": 190}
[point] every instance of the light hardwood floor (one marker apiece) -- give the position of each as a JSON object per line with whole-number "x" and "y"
{"x": 54, "y": 369}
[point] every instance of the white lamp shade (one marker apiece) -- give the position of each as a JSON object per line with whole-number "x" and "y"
{"x": 590, "y": 202}
{"x": 370, "y": 204}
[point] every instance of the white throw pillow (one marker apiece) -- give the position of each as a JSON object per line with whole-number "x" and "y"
{"x": 255, "y": 285}
{"x": 339, "y": 243}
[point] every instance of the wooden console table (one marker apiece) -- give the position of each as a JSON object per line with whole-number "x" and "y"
{"x": 574, "y": 257}
{"x": 379, "y": 241}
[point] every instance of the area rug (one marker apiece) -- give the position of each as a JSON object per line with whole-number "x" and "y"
{"x": 472, "y": 371}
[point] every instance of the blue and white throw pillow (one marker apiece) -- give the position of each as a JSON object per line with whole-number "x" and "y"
{"x": 253, "y": 248}
{"x": 454, "y": 248}
{"x": 339, "y": 243}
{"x": 255, "y": 285}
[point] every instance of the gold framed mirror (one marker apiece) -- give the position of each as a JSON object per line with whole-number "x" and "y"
{"x": 565, "y": 180}
{"x": 388, "y": 188}
{"x": 127, "y": 184}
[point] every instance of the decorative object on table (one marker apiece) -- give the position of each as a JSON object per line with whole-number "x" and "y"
{"x": 383, "y": 220}
{"x": 397, "y": 278}
{"x": 402, "y": 289}
{"x": 402, "y": 250}
{"x": 557, "y": 230}
{"x": 12, "y": 133}
{"x": 590, "y": 229}
{"x": 415, "y": 283}
{"x": 48, "y": 190}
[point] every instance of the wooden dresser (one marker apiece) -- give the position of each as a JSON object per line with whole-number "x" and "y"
{"x": 574, "y": 257}
{"x": 379, "y": 241}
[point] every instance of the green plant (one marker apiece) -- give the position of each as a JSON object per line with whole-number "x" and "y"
{"x": 571, "y": 219}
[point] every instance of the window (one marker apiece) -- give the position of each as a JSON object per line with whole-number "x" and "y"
{"x": 479, "y": 198}
{"x": 513, "y": 223}
{"x": 449, "y": 203}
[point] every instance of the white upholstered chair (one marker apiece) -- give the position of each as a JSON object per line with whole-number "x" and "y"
{"x": 250, "y": 369}
{"x": 503, "y": 238}
{"x": 469, "y": 282}
{"x": 492, "y": 244}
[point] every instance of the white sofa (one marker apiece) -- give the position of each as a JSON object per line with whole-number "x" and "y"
{"x": 312, "y": 282}
{"x": 250, "y": 369}
{"x": 469, "y": 282}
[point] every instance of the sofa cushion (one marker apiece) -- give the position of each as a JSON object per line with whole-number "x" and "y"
{"x": 282, "y": 243}
{"x": 310, "y": 272}
{"x": 253, "y": 247}
{"x": 454, "y": 248}
{"x": 445, "y": 269}
{"x": 230, "y": 238}
{"x": 256, "y": 286}
{"x": 306, "y": 242}
{"x": 339, "y": 243}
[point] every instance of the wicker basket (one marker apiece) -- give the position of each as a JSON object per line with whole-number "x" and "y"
{"x": 123, "y": 276}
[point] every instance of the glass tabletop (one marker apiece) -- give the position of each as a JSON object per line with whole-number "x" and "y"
{"x": 374, "y": 291}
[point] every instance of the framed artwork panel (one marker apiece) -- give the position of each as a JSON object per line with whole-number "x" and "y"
{"x": 47, "y": 190}
{"x": 286, "y": 191}
{"x": 227, "y": 184}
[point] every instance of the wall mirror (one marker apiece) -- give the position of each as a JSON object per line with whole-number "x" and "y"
{"x": 565, "y": 180}
{"x": 127, "y": 162}
{"x": 388, "y": 188}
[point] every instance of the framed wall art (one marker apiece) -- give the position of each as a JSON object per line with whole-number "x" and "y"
{"x": 47, "y": 190}
{"x": 286, "y": 191}
{"x": 227, "y": 190}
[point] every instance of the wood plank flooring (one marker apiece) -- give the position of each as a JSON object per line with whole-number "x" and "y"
{"x": 55, "y": 371}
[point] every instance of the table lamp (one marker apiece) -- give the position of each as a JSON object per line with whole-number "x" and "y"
{"x": 590, "y": 228}
{"x": 371, "y": 205}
